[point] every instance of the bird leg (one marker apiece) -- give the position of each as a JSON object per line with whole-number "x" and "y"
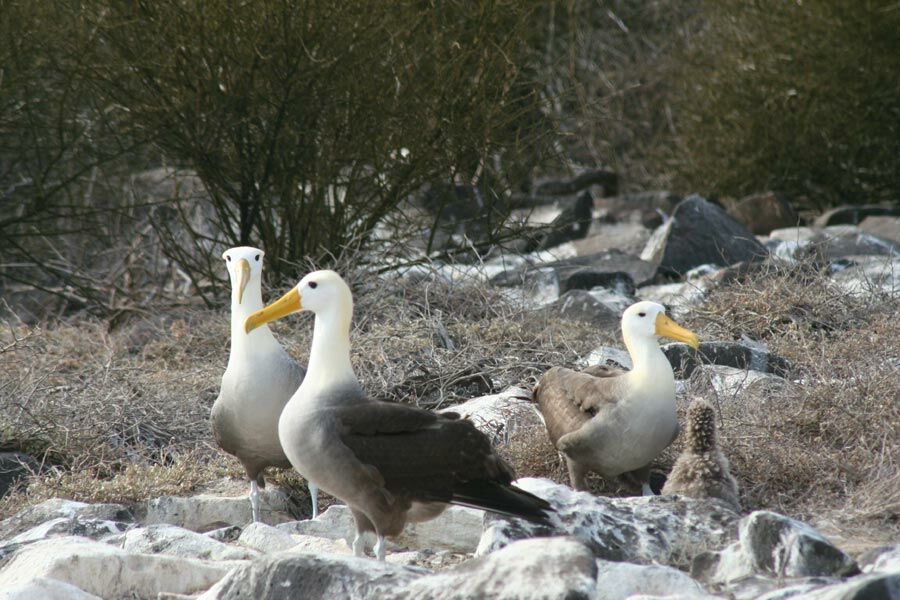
{"x": 380, "y": 548}
{"x": 314, "y": 494}
{"x": 359, "y": 545}
{"x": 645, "y": 489}
{"x": 577, "y": 475}
{"x": 254, "y": 500}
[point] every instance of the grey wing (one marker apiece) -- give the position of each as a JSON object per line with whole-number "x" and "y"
{"x": 568, "y": 399}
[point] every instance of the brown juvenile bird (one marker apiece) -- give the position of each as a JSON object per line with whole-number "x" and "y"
{"x": 391, "y": 463}
{"x": 611, "y": 421}
{"x": 702, "y": 470}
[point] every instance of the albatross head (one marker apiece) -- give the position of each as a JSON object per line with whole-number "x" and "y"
{"x": 322, "y": 292}
{"x": 244, "y": 265}
{"x": 643, "y": 322}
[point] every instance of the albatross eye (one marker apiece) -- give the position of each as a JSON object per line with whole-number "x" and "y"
{"x": 642, "y": 314}
{"x": 313, "y": 284}
{"x": 228, "y": 258}
{"x": 257, "y": 258}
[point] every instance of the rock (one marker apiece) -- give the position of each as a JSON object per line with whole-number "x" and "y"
{"x": 176, "y": 541}
{"x": 799, "y": 235}
{"x": 865, "y": 275}
{"x": 205, "y": 512}
{"x": 842, "y": 241}
{"x": 572, "y": 223}
{"x": 608, "y": 357}
{"x": 457, "y": 529}
{"x": 618, "y": 580}
{"x": 677, "y": 297}
{"x": 664, "y": 530}
{"x": 108, "y": 572}
{"x": 225, "y": 534}
{"x": 320, "y": 545}
{"x": 336, "y": 523}
{"x": 773, "y": 545}
{"x": 14, "y": 466}
{"x": 729, "y": 383}
{"x": 56, "y": 508}
{"x": 540, "y": 568}
{"x": 629, "y": 238}
{"x": 289, "y": 575}
{"x": 580, "y": 305}
{"x": 265, "y": 538}
{"x": 539, "y": 286}
{"x": 853, "y": 215}
{"x": 761, "y": 213}
{"x": 883, "y": 560}
{"x": 587, "y": 279}
{"x": 561, "y": 187}
{"x": 867, "y": 587}
{"x": 96, "y": 529}
{"x": 43, "y": 588}
{"x": 640, "y": 271}
{"x": 700, "y": 233}
{"x": 685, "y": 359}
{"x": 499, "y": 415}
{"x": 646, "y": 208}
{"x": 887, "y": 228}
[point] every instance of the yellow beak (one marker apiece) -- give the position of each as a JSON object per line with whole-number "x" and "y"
{"x": 284, "y": 306}
{"x": 670, "y": 329}
{"x": 242, "y": 270}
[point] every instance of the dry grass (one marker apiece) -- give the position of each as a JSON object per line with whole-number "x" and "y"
{"x": 119, "y": 412}
{"x": 123, "y": 414}
{"x": 828, "y": 445}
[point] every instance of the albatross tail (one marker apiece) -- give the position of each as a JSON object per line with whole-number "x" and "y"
{"x": 503, "y": 499}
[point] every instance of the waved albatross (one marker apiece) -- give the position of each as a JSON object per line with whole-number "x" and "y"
{"x": 258, "y": 381}
{"x": 391, "y": 463}
{"x": 611, "y": 421}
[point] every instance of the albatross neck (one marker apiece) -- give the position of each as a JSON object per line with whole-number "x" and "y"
{"x": 258, "y": 341}
{"x": 648, "y": 360}
{"x": 329, "y": 357}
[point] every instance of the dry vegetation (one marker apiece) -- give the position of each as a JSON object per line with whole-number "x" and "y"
{"x": 121, "y": 415}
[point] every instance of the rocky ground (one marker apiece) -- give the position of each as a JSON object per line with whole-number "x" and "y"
{"x": 799, "y": 358}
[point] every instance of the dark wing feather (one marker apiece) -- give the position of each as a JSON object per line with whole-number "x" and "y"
{"x": 426, "y": 456}
{"x": 568, "y": 399}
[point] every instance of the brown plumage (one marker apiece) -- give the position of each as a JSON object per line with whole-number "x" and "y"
{"x": 702, "y": 470}
{"x": 391, "y": 463}
{"x": 615, "y": 422}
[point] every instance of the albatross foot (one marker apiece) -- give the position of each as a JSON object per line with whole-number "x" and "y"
{"x": 380, "y": 548}
{"x": 646, "y": 490}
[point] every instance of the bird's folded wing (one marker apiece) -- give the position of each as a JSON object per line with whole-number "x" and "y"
{"x": 568, "y": 399}
{"x": 420, "y": 454}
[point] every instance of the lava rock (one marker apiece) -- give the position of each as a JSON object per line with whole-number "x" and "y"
{"x": 588, "y": 279}
{"x": 854, "y": 215}
{"x": 773, "y": 545}
{"x": 641, "y": 530}
{"x": 580, "y": 305}
{"x": 14, "y": 466}
{"x": 563, "y": 187}
{"x": 700, "y": 233}
{"x": 762, "y": 213}
{"x": 685, "y": 359}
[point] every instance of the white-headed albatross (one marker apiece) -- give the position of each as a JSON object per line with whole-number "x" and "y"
{"x": 391, "y": 463}
{"x": 258, "y": 381}
{"x": 611, "y": 421}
